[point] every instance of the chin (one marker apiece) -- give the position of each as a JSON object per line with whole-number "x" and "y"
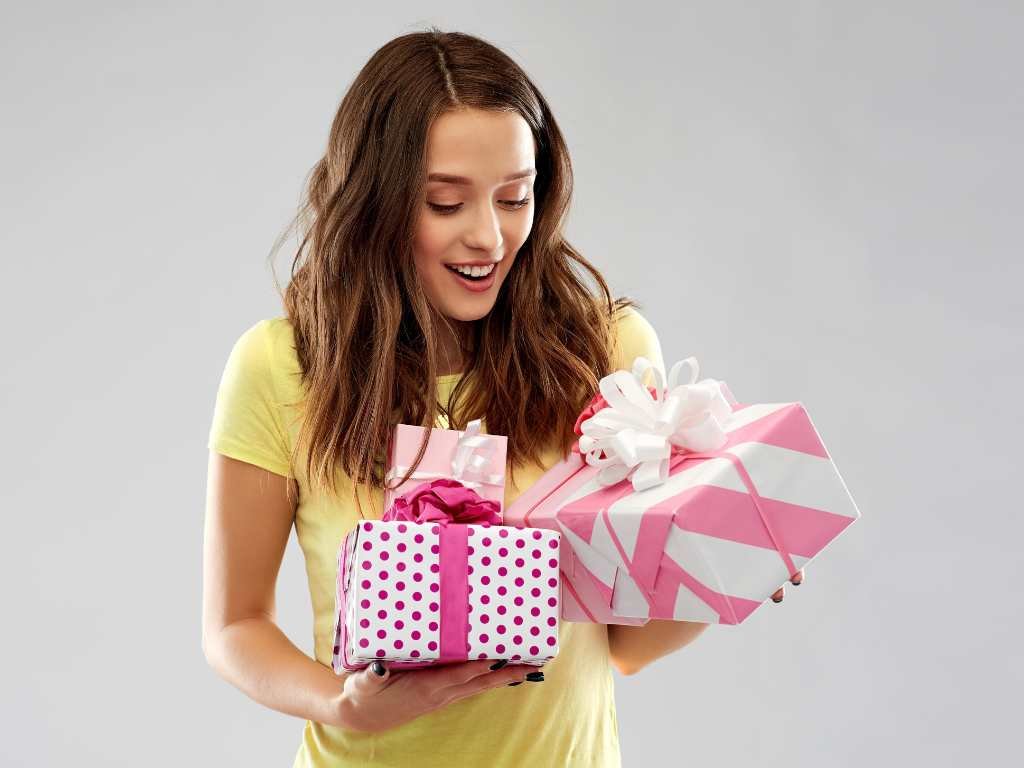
{"x": 466, "y": 313}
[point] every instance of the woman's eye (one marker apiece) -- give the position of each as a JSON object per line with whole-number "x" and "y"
{"x": 444, "y": 210}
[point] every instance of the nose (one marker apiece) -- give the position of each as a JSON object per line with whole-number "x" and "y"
{"x": 485, "y": 230}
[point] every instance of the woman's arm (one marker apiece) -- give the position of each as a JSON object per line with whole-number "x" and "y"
{"x": 248, "y": 520}
{"x": 256, "y": 656}
{"x": 633, "y": 648}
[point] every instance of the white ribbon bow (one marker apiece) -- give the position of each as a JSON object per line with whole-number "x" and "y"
{"x": 471, "y": 458}
{"x": 636, "y": 432}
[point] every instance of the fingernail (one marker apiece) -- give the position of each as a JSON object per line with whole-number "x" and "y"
{"x": 499, "y": 664}
{"x": 516, "y": 683}
{"x": 378, "y": 668}
{"x": 776, "y": 601}
{"x": 796, "y": 583}
{"x": 535, "y": 677}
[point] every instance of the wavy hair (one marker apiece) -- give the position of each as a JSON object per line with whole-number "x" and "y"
{"x": 364, "y": 330}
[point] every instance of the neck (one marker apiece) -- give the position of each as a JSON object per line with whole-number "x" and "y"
{"x": 448, "y": 349}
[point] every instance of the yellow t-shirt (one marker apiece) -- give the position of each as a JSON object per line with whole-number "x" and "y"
{"x": 569, "y": 719}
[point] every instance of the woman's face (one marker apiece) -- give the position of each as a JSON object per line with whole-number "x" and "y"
{"x": 480, "y": 220}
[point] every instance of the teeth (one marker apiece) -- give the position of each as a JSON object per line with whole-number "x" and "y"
{"x": 473, "y": 271}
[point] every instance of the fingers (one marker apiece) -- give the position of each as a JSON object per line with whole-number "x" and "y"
{"x": 509, "y": 675}
{"x": 371, "y": 680}
{"x": 796, "y": 581}
{"x": 454, "y": 675}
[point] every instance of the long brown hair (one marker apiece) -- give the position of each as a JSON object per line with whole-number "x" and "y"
{"x": 364, "y": 330}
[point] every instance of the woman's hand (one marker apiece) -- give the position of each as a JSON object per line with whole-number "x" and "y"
{"x": 377, "y": 699}
{"x": 796, "y": 581}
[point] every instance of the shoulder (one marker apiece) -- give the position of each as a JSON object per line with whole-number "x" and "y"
{"x": 249, "y": 422}
{"x": 635, "y": 336}
{"x": 630, "y": 324}
{"x": 268, "y": 334}
{"x": 280, "y": 340}
{"x": 266, "y": 351}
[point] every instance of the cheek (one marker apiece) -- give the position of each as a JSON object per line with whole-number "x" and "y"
{"x": 521, "y": 230}
{"x": 426, "y": 251}
{"x": 431, "y": 241}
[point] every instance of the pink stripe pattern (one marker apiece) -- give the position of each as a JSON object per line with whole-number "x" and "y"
{"x": 712, "y": 542}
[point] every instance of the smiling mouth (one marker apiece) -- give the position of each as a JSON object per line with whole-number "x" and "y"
{"x": 475, "y": 278}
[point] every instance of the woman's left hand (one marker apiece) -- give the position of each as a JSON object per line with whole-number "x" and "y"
{"x": 796, "y": 581}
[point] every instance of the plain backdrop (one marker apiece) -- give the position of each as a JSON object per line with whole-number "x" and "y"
{"x": 821, "y": 201}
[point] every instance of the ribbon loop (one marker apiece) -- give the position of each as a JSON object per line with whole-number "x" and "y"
{"x": 641, "y": 428}
{"x": 473, "y": 456}
{"x": 471, "y": 459}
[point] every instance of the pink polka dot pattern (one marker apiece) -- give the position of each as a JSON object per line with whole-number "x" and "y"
{"x": 401, "y": 620}
{"x": 393, "y": 609}
{"x": 512, "y": 591}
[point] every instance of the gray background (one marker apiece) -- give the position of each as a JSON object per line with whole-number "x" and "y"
{"x": 821, "y": 201}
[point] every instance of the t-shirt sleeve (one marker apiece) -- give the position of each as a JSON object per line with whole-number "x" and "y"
{"x": 247, "y": 420}
{"x": 636, "y": 337}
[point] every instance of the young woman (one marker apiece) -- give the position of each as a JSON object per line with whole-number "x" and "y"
{"x": 432, "y": 285}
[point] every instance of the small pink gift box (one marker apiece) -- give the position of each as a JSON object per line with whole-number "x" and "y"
{"x": 438, "y": 591}
{"x": 476, "y": 460}
{"x": 652, "y": 529}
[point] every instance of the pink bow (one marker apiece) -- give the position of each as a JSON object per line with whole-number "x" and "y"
{"x": 444, "y": 501}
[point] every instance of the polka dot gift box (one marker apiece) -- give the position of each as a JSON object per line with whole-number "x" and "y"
{"x": 440, "y": 580}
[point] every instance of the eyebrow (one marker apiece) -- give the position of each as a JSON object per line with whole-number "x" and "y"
{"x": 448, "y": 178}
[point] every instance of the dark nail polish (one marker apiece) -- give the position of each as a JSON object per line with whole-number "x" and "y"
{"x": 378, "y": 669}
{"x": 520, "y": 682}
{"x": 776, "y": 601}
{"x": 535, "y": 677}
{"x": 797, "y": 583}
{"x": 499, "y": 664}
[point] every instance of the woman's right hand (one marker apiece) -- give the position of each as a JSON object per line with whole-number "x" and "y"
{"x": 377, "y": 698}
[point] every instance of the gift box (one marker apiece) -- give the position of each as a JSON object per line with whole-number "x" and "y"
{"x": 439, "y": 580}
{"x": 474, "y": 459}
{"x": 680, "y": 503}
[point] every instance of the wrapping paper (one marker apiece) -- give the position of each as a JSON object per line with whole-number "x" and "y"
{"x": 474, "y": 459}
{"x": 438, "y": 579}
{"x": 420, "y": 594}
{"x": 655, "y": 529}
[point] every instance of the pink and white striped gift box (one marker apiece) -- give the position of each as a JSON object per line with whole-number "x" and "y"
{"x": 712, "y": 542}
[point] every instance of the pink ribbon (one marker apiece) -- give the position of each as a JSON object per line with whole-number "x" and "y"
{"x": 676, "y": 456}
{"x": 679, "y": 456}
{"x": 443, "y": 501}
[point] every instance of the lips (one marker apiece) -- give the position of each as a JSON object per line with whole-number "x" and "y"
{"x": 471, "y": 264}
{"x": 476, "y": 285}
{"x": 452, "y": 268}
